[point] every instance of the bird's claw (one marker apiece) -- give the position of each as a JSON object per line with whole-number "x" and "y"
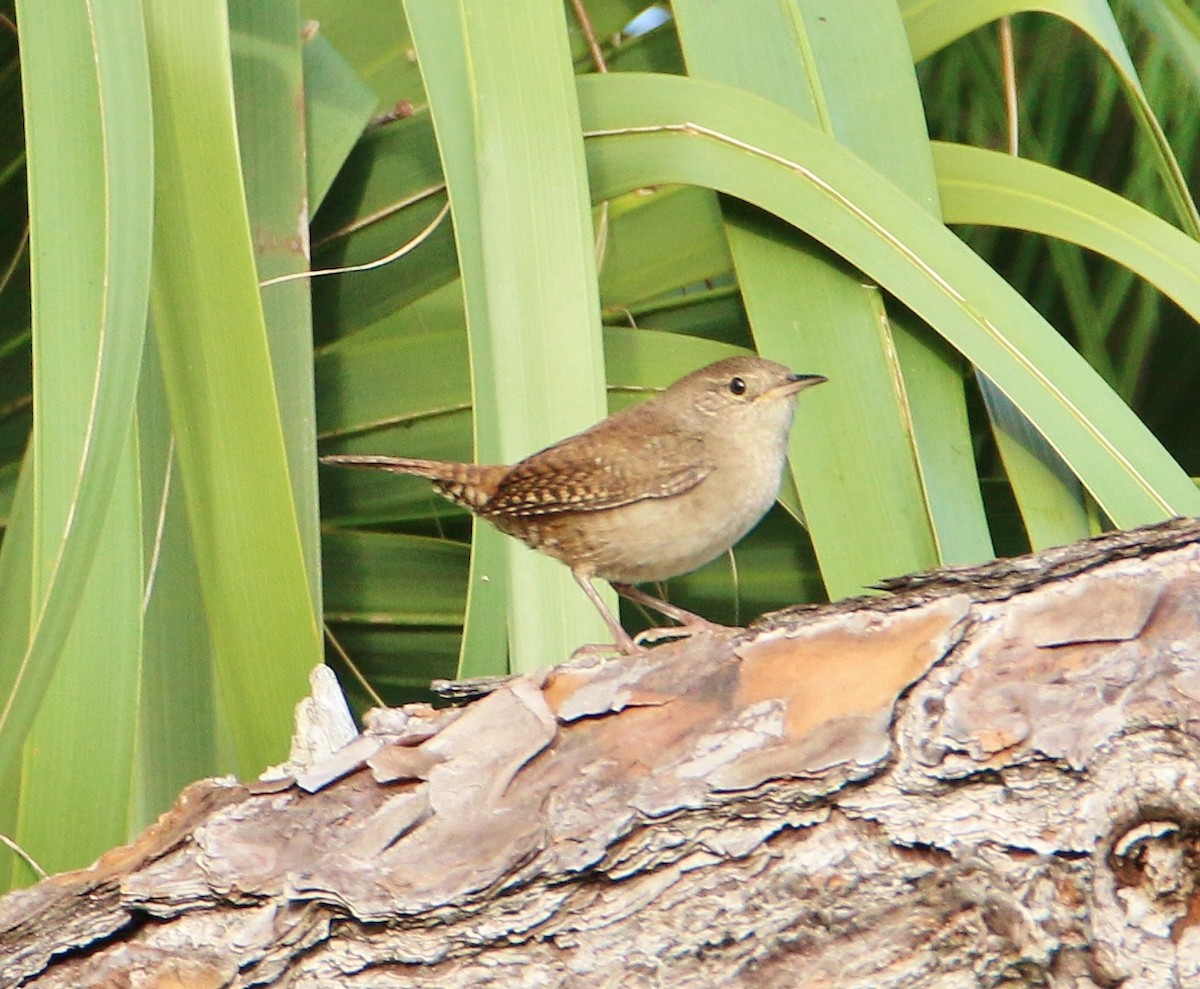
{"x": 649, "y": 636}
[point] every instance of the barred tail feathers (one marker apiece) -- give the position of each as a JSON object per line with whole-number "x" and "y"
{"x": 469, "y": 485}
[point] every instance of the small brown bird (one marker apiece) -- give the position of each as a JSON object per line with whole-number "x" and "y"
{"x": 649, "y": 493}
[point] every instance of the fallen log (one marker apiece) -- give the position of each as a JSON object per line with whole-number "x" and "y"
{"x": 985, "y": 776}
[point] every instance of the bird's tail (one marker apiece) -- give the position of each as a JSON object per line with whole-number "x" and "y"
{"x": 469, "y": 485}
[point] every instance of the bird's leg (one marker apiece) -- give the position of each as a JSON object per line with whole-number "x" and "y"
{"x": 624, "y": 642}
{"x": 689, "y": 621}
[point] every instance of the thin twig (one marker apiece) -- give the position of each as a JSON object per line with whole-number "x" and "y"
{"x": 22, "y": 246}
{"x": 352, "y": 667}
{"x": 593, "y": 44}
{"x": 416, "y": 242}
{"x": 379, "y": 215}
{"x": 589, "y": 35}
{"x": 1008, "y": 67}
{"x": 25, "y": 856}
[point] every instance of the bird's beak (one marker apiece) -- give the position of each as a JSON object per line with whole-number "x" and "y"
{"x": 797, "y": 383}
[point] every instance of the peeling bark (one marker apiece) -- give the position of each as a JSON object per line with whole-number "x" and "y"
{"x": 987, "y": 776}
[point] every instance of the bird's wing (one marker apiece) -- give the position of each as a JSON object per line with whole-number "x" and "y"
{"x": 576, "y": 476}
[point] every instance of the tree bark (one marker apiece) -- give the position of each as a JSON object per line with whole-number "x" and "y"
{"x": 985, "y": 777}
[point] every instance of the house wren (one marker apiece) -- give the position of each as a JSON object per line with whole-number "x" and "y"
{"x": 651, "y": 492}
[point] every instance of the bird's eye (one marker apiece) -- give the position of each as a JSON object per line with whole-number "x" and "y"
{"x": 737, "y": 386}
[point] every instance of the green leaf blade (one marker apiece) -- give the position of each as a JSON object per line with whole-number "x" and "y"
{"x": 500, "y": 90}
{"x": 211, "y": 332}
{"x": 90, "y": 188}
{"x": 772, "y": 159}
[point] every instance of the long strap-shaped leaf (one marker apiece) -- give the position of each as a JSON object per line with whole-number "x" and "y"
{"x": 655, "y": 129}
{"x": 933, "y": 24}
{"x": 90, "y": 180}
{"x": 498, "y": 79}
{"x": 209, "y": 324}
{"x": 894, "y": 431}
{"x": 987, "y": 188}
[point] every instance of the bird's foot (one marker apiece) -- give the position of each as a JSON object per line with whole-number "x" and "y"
{"x": 590, "y": 650}
{"x": 650, "y": 636}
{"x": 689, "y": 622}
{"x": 640, "y": 644}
